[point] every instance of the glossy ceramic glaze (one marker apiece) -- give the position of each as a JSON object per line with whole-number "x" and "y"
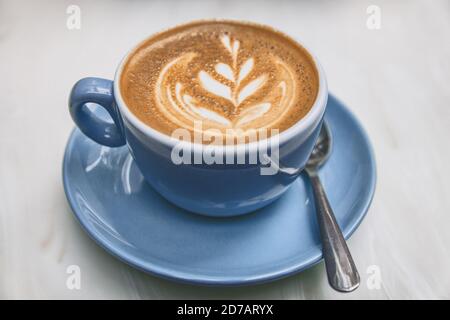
{"x": 114, "y": 204}
{"x": 218, "y": 190}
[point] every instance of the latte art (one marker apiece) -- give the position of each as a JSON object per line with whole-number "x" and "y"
{"x": 226, "y": 75}
{"x": 230, "y": 82}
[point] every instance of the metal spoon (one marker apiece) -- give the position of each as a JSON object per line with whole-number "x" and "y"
{"x": 341, "y": 270}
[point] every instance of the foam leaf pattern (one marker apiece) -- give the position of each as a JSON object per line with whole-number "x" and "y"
{"x": 245, "y": 69}
{"x": 214, "y": 116}
{"x": 233, "y": 92}
{"x": 214, "y": 86}
{"x": 253, "y": 113}
{"x": 225, "y": 71}
{"x": 235, "y": 48}
{"x": 205, "y": 113}
{"x": 251, "y": 88}
{"x": 227, "y": 43}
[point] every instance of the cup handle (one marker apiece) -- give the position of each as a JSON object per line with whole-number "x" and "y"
{"x": 98, "y": 91}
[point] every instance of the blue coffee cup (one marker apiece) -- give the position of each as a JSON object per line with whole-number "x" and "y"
{"x": 219, "y": 189}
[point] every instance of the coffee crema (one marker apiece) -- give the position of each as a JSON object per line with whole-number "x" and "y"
{"x": 223, "y": 74}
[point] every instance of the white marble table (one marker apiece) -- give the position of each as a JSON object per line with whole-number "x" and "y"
{"x": 395, "y": 79}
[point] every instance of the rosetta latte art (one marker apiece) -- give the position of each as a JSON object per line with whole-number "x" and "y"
{"x": 172, "y": 98}
{"x": 224, "y": 75}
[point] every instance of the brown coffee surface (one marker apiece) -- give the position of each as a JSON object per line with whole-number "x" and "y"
{"x": 222, "y": 75}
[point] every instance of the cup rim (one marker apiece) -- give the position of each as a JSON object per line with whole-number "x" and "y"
{"x": 308, "y": 121}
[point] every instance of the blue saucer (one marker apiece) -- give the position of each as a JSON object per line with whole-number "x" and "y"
{"x": 131, "y": 221}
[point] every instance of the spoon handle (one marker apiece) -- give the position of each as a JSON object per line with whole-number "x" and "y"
{"x": 341, "y": 270}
